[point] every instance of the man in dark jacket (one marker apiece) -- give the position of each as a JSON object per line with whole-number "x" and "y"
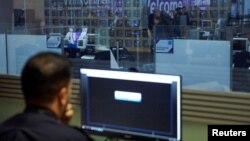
{"x": 46, "y": 84}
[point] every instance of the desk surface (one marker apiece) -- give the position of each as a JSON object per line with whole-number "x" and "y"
{"x": 88, "y": 57}
{"x": 101, "y": 48}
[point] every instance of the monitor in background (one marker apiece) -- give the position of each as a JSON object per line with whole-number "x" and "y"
{"x": 131, "y": 105}
{"x": 240, "y": 44}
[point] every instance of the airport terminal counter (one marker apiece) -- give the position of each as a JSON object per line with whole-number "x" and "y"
{"x": 105, "y": 57}
{"x": 90, "y": 53}
{"x": 199, "y": 108}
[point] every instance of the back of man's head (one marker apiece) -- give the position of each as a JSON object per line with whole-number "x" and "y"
{"x": 44, "y": 75}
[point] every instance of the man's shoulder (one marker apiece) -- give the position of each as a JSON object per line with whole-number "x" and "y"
{"x": 22, "y": 126}
{"x": 12, "y": 120}
{"x": 62, "y": 133}
{"x": 75, "y": 133}
{"x": 26, "y": 134}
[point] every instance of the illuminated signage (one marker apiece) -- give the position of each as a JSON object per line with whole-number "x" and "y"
{"x": 169, "y": 5}
{"x": 86, "y": 2}
{"x": 165, "y": 5}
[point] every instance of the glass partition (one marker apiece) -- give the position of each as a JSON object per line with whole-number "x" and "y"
{"x": 208, "y": 47}
{"x": 3, "y": 61}
{"x": 203, "y": 64}
{"x": 21, "y": 47}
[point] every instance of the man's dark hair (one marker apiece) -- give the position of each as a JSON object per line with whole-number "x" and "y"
{"x": 44, "y": 75}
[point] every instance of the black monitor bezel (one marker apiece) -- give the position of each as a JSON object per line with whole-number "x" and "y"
{"x": 123, "y": 135}
{"x": 237, "y": 49}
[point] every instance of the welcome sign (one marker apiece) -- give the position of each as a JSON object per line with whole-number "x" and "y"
{"x": 169, "y": 5}
{"x": 166, "y": 5}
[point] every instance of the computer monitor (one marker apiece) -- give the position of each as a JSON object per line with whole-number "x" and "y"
{"x": 131, "y": 105}
{"x": 240, "y": 44}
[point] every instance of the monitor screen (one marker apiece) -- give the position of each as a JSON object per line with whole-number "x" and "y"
{"x": 131, "y": 104}
{"x": 239, "y": 44}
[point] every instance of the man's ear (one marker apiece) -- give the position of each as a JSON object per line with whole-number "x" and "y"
{"x": 63, "y": 95}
